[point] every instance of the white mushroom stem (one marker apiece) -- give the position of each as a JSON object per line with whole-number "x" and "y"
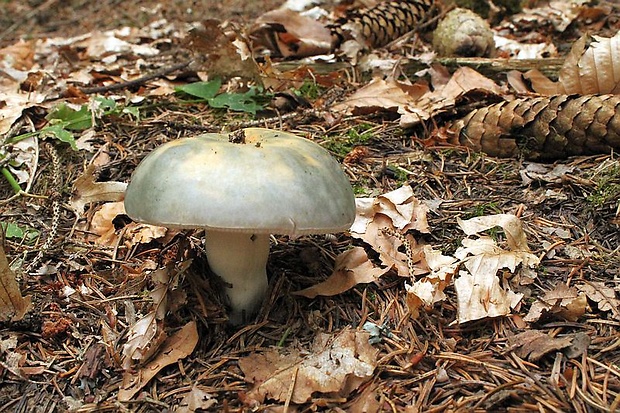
{"x": 240, "y": 259}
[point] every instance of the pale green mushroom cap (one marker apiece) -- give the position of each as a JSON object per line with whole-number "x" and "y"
{"x": 273, "y": 182}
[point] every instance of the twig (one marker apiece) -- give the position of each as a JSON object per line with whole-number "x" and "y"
{"x": 136, "y": 82}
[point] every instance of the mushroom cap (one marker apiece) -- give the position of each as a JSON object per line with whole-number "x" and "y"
{"x": 254, "y": 180}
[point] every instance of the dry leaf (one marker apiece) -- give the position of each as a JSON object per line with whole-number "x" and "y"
{"x": 409, "y": 101}
{"x": 196, "y": 399}
{"x": 134, "y": 233}
{"x": 335, "y": 366}
{"x": 563, "y": 301}
{"x": 352, "y": 267}
{"x": 378, "y": 94}
{"x": 428, "y": 290}
{"x": 13, "y": 306}
{"x": 147, "y": 335}
{"x": 404, "y": 210}
{"x": 386, "y": 244}
{"x": 287, "y": 33}
{"x": 603, "y": 295}
{"x": 534, "y": 344}
{"x": 479, "y": 291}
{"x": 86, "y": 190}
{"x": 176, "y": 347}
{"x": 591, "y": 67}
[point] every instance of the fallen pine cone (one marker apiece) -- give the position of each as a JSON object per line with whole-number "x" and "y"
{"x": 543, "y": 128}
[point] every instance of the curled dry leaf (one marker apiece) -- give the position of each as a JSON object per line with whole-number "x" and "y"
{"x": 415, "y": 103}
{"x": 176, "y": 347}
{"x": 102, "y": 225}
{"x": 563, "y": 302}
{"x": 335, "y": 366}
{"x": 604, "y": 296}
{"x": 86, "y": 190}
{"x": 13, "y": 306}
{"x": 480, "y": 292}
{"x": 147, "y": 335}
{"x": 429, "y": 289}
{"x": 591, "y": 67}
{"x": 404, "y": 210}
{"x": 287, "y": 33}
{"x": 532, "y": 345}
{"x": 352, "y": 267}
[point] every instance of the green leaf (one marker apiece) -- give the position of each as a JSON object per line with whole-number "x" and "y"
{"x": 12, "y": 230}
{"x": 203, "y": 90}
{"x": 240, "y": 102}
{"x": 58, "y": 132}
{"x": 70, "y": 118}
{"x": 106, "y": 104}
{"x": 133, "y": 111}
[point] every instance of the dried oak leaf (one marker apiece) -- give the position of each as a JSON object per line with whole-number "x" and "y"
{"x": 335, "y": 366}
{"x": 287, "y": 33}
{"x": 591, "y": 67}
{"x": 563, "y": 301}
{"x": 534, "y": 344}
{"x": 352, "y": 267}
{"x": 86, "y": 190}
{"x": 13, "y": 306}
{"x": 176, "y": 347}
{"x": 428, "y": 290}
{"x": 603, "y": 295}
{"x": 480, "y": 292}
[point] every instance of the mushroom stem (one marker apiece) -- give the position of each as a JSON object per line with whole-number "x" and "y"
{"x": 240, "y": 259}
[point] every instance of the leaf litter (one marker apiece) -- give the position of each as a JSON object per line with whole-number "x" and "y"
{"x": 447, "y": 309}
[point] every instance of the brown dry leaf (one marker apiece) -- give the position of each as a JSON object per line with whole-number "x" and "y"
{"x": 479, "y": 291}
{"x": 534, "y": 344}
{"x": 147, "y": 335}
{"x": 335, "y": 366}
{"x": 512, "y": 226}
{"x": 289, "y": 34}
{"x": 86, "y": 190}
{"x": 404, "y": 210}
{"x": 464, "y": 80}
{"x": 591, "y": 67}
{"x": 408, "y": 101}
{"x": 134, "y": 233}
{"x": 12, "y": 360}
{"x": 176, "y": 347}
{"x": 379, "y": 94}
{"x": 218, "y": 50}
{"x": 352, "y": 267}
{"x": 196, "y": 399}
{"x": 13, "y": 306}
{"x": 563, "y": 301}
{"x": 386, "y": 244}
{"x": 428, "y": 290}
{"x": 603, "y": 295}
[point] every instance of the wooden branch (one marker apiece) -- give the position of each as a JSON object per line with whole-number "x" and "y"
{"x": 492, "y": 68}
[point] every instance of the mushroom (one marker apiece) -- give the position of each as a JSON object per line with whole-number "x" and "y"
{"x": 241, "y": 187}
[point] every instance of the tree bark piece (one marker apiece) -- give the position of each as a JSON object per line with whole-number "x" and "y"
{"x": 543, "y": 128}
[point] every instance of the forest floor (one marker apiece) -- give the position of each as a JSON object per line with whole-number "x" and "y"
{"x": 91, "y": 275}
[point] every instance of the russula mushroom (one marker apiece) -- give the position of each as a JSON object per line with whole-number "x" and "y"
{"x": 241, "y": 187}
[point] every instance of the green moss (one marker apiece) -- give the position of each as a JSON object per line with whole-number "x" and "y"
{"x": 607, "y": 187}
{"x": 310, "y": 90}
{"x": 341, "y": 145}
{"x": 489, "y": 208}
